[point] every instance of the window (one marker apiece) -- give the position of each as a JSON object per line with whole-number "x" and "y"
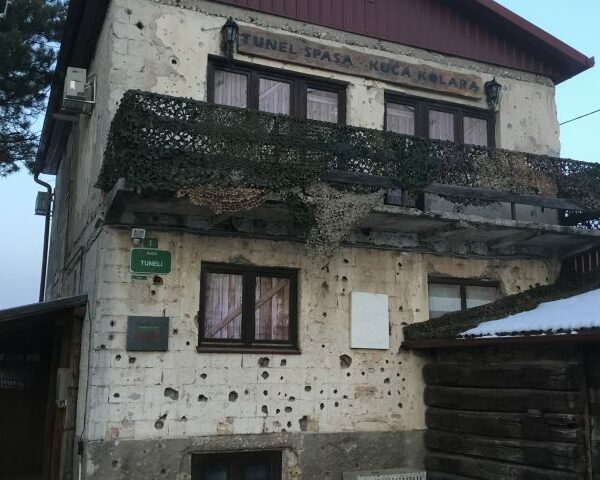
{"x": 439, "y": 121}
{"x": 237, "y": 466}
{"x": 451, "y": 295}
{"x": 248, "y": 307}
{"x": 274, "y": 91}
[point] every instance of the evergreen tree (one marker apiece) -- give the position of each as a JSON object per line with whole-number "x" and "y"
{"x": 29, "y": 35}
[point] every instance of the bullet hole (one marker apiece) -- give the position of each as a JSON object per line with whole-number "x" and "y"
{"x": 283, "y": 363}
{"x": 324, "y": 314}
{"x": 404, "y": 379}
{"x": 387, "y": 361}
{"x": 152, "y": 292}
{"x": 171, "y": 393}
{"x": 102, "y": 347}
{"x": 400, "y": 405}
{"x": 118, "y": 357}
{"x": 277, "y": 411}
{"x": 303, "y": 422}
{"x": 399, "y": 265}
{"x": 323, "y": 346}
{"x": 163, "y": 471}
{"x": 346, "y": 260}
{"x": 325, "y": 286}
{"x": 160, "y": 423}
{"x": 174, "y": 61}
{"x": 246, "y": 392}
{"x": 389, "y": 392}
{"x": 139, "y": 25}
{"x": 387, "y": 380}
{"x": 334, "y": 392}
{"x": 397, "y": 374}
{"x": 326, "y": 268}
{"x": 337, "y": 404}
{"x": 362, "y": 373}
{"x": 265, "y": 375}
{"x": 263, "y": 362}
{"x": 308, "y": 388}
{"x": 288, "y": 409}
{"x": 382, "y": 369}
{"x": 175, "y": 331}
{"x": 344, "y": 279}
{"x": 132, "y": 360}
{"x": 280, "y": 378}
{"x": 184, "y": 419}
{"x": 321, "y": 392}
{"x": 289, "y": 424}
{"x": 115, "y": 463}
{"x": 233, "y": 396}
{"x": 112, "y": 323}
{"x": 292, "y": 399}
{"x": 345, "y": 397}
{"x": 345, "y": 361}
{"x": 322, "y": 406}
{"x": 348, "y": 374}
{"x": 116, "y": 395}
{"x": 111, "y": 337}
{"x": 187, "y": 344}
{"x": 202, "y": 398}
{"x": 128, "y": 11}
{"x": 264, "y": 409}
{"x": 157, "y": 280}
{"x": 265, "y": 393}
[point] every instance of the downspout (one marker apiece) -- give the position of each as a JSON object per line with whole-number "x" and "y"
{"x": 46, "y": 236}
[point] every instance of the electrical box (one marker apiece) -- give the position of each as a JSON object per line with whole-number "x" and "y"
{"x": 62, "y": 387}
{"x": 75, "y": 82}
{"x": 42, "y": 203}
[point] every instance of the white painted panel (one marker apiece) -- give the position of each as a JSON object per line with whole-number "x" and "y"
{"x": 369, "y": 321}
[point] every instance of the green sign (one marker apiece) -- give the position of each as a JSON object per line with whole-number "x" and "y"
{"x": 148, "y": 260}
{"x": 150, "y": 243}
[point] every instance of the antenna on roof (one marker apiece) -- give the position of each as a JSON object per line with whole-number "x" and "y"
{"x": 3, "y": 14}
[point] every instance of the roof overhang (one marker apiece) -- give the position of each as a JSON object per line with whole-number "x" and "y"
{"x": 36, "y": 314}
{"x": 574, "y": 339}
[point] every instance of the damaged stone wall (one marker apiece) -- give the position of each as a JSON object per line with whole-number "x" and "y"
{"x": 137, "y": 400}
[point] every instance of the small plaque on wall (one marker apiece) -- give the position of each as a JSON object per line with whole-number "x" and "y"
{"x": 147, "y": 334}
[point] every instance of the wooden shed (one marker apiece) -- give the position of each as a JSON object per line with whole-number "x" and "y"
{"x": 513, "y": 388}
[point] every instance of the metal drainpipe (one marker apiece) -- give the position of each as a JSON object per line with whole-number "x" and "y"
{"x": 46, "y": 236}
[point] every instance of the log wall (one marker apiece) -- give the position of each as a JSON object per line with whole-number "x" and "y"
{"x": 513, "y": 412}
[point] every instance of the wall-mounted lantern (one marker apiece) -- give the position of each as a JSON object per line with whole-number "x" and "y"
{"x": 493, "y": 91}
{"x": 229, "y": 38}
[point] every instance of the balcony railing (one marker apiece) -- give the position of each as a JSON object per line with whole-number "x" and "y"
{"x": 168, "y": 143}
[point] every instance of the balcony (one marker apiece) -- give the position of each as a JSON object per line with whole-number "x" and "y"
{"x": 179, "y": 163}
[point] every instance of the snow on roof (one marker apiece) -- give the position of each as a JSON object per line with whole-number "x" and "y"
{"x": 560, "y": 316}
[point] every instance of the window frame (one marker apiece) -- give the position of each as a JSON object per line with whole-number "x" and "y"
{"x": 463, "y": 283}
{"x": 422, "y": 107}
{"x": 237, "y": 459}
{"x": 248, "y": 342}
{"x": 299, "y": 85}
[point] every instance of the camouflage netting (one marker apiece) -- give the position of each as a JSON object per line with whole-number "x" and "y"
{"x": 229, "y": 159}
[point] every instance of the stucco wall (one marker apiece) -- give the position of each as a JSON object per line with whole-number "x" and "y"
{"x": 307, "y": 393}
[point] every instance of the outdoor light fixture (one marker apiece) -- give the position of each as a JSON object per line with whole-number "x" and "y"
{"x": 229, "y": 38}
{"x": 492, "y": 93}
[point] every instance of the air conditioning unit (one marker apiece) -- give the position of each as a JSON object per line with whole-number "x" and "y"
{"x": 79, "y": 94}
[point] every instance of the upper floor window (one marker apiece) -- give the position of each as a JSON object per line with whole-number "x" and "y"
{"x": 439, "y": 121}
{"x": 248, "y": 307}
{"x": 276, "y": 92}
{"x": 451, "y": 295}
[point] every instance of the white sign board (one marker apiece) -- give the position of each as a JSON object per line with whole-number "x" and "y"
{"x": 369, "y": 321}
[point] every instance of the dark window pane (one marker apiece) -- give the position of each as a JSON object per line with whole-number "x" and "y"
{"x": 400, "y": 119}
{"x": 322, "y": 105}
{"x": 231, "y": 89}
{"x": 274, "y": 97}
{"x": 272, "y": 308}
{"x": 259, "y": 471}
{"x": 214, "y": 472}
{"x": 223, "y": 306}
{"x": 476, "y": 131}
{"x": 441, "y": 125}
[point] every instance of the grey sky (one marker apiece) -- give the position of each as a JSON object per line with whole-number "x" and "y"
{"x": 573, "y": 21}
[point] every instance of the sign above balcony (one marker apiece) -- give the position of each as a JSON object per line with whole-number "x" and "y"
{"x": 298, "y": 50}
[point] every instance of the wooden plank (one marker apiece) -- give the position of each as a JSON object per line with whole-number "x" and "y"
{"x": 557, "y": 376}
{"x": 446, "y": 476}
{"x": 497, "y": 196}
{"x": 560, "y": 456}
{"x": 565, "y": 428}
{"x": 352, "y": 178}
{"x": 491, "y": 470}
{"x": 503, "y": 400}
{"x": 510, "y": 354}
